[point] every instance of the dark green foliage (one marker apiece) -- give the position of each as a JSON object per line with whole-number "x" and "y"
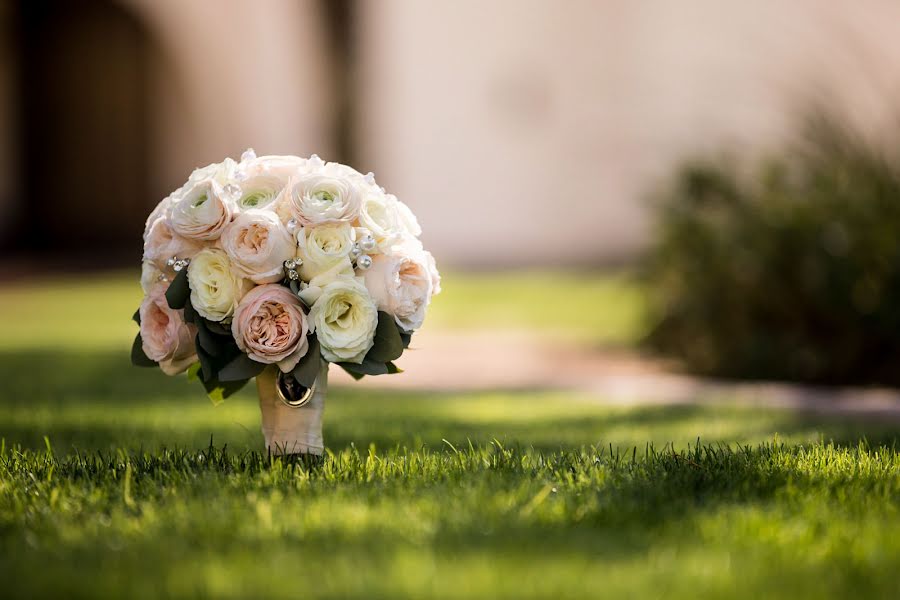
{"x": 390, "y": 342}
{"x": 179, "y": 290}
{"x": 790, "y": 270}
{"x": 241, "y": 367}
{"x": 138, "y": 357}
{"x": 307, "y": 369}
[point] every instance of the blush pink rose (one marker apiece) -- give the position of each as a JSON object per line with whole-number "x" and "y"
{"x": 165, "y": 337}
{"x": 258, "y": 244}
{"x": 403, "y": 283}
{"x": 270, "y": 326}
{"x": 162, "y": 243}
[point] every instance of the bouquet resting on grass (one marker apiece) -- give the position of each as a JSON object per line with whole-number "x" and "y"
{"x": 273, "y": 267}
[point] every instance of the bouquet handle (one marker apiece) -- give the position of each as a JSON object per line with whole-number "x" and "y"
{"x": 290, "y": 429}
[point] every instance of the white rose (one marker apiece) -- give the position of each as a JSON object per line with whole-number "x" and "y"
{"x": 201, "y": 212}
{"x": 215, "y": 287}
{"x": 324, "y": 196}
{"x": 282, "y": 167}
{"x": 380, "y": 215}
{"x": 402, "y": 284}
{"x": 435, "y": 274}
{"x": 261, "y": 191}
{"x": 408, "y": 219}
{"x": 322, "y": 247}
{"x": 344, "y": 319}
{"x": 258, "y": 244}
{"x": 221, "y": 173}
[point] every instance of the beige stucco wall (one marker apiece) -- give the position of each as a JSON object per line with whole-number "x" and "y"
{"x": 520, "y": 131}
{"x": 529, "y": 131}
{"x": 235, "y": 74}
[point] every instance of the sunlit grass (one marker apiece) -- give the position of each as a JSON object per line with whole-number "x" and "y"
{"x": 584, "y": 306}
{"x": 488, "y": 494}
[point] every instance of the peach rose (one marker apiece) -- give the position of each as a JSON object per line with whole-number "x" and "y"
{"x": 161, "y": 210}
{"x": 403, "y": 283}
{"x": 162, "y": 243}
{"x": 270, "y": 326}
{"x": 165, "y": 337}
{"x": 258, "y": 244}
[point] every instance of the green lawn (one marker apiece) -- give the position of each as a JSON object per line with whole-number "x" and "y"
{"x": 593, "y": 308}
{"x": 483, "y": 495}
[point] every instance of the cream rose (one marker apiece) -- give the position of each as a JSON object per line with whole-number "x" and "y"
{"x": 344, "y": 318}
{"x": 202, "y": 212}
{"x": 215, "y": 287}
{"x": 258, "y": 244}
{"x": 321, "y": 197}
{"x": 311, "y": 291}
{"x": 270, "y": 326}
{"x": 165, "y": 337}
{"x": 162, "y": 243}
{"x": 402, "y": 285}
{"x": 323, "y": 247}
{"x": 380, "y": 215}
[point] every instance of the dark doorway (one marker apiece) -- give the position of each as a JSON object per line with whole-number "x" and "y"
{"x": 84, "y": 102}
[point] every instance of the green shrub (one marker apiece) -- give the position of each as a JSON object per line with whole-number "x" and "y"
{"x": 787, "y": 270}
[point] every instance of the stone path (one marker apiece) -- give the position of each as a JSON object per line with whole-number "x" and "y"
{"x": 469, "y": 361}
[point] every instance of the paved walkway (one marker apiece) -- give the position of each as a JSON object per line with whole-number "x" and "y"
{"x": 501, "y": 360}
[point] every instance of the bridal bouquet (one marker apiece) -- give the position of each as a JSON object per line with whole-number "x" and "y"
{"x": 280, "y": 262}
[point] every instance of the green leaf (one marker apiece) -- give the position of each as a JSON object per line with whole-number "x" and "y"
{"x": 367, "y": 367}
{"x": 207, "y": 362}
{"x": 138, "y": 358}
{"x": 242, "y": 367}
{"x": 179, "y": 291}
{"x": 217, "y": 391}
{"x": 388, "y": 343}
{"x": 193, "y": 372}
{"x": 136, "y": 317}
{"x": 307, "y": 369}
{"x": 190, "y": 313}
{"x": 218, "y": 328}
{"x": 353, "y": 374}
{"x": 406, "y": 338}
{"x": 209, "y": 341}
{"x": 393, "y": 369}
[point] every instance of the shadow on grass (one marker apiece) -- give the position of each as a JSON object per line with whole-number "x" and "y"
{"x": 98, "y": 400}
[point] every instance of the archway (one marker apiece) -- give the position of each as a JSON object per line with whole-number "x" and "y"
{"x": 84, "y": 128}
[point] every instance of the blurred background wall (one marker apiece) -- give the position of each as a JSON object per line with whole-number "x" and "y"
{"x": 521, "y": 132}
